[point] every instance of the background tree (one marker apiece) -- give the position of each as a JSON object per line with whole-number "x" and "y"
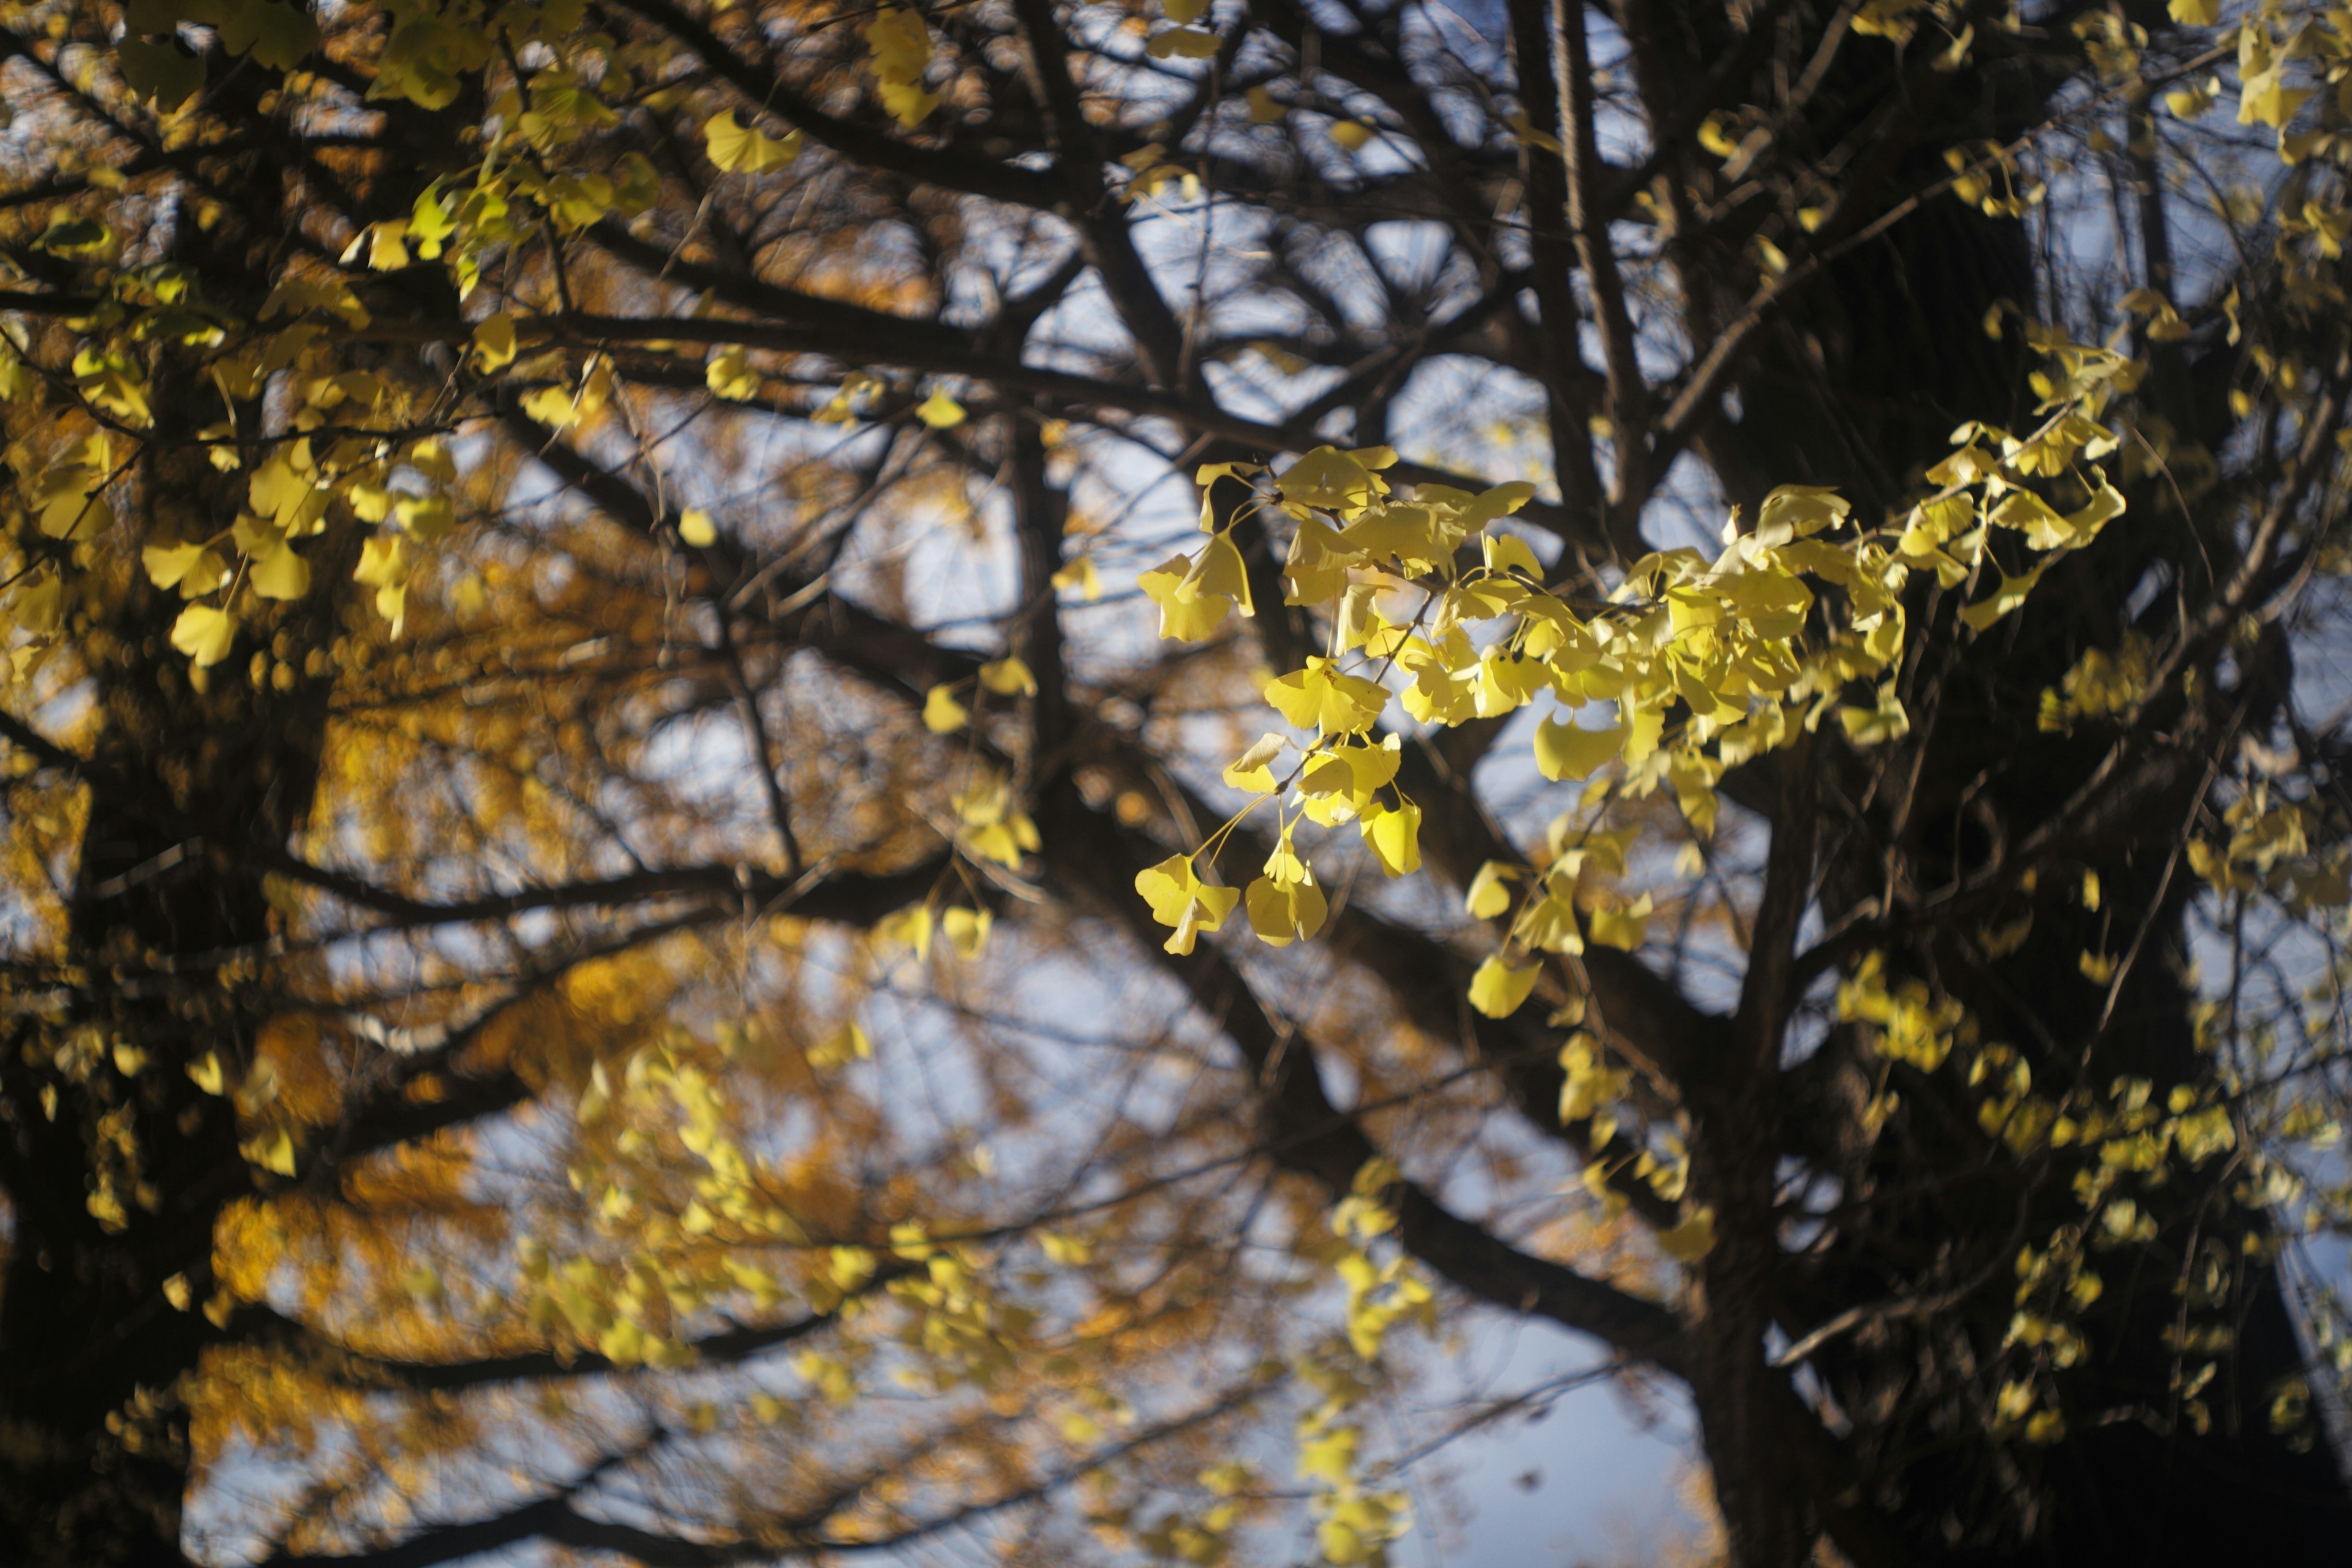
{"x": 595, "y": 819}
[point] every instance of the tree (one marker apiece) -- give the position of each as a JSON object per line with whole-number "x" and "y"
{"x": 606, "y": 868}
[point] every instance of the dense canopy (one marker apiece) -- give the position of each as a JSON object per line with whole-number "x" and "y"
{"x": 787, "y": 782}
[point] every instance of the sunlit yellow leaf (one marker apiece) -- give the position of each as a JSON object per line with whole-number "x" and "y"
{"x": 207, "y": 1074}
{"x": 1180, "y": 898}
{"x": 966, "y": 930}
{"x": 1624, "y": 927}
{"x": 942, "y": 714}
{"x": 1498, "y": 988}
{"x": 731, "y": 376}
{"x": 1252, "y": 770}
{"x": 272, "y": 1151}
{"x": 1008, "y": 677}
{"x": 940, "y": 411}
{"x": 281, "y": 574}
{"x": 909, "y": 928}
{"x": 203, "y": 634}
{"x": 1566, "y": 752}
{"x": 738, "y": 148}
{"x": 1490, "y": 892}
{"x": 1322, "y": 699}
{"x": 1280, "y": 911}
{"x": 1395, "y": 837}
{"x": 1080, "y": 574}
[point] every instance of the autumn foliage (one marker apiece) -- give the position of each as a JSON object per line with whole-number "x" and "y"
{"x": 786, "y": 781}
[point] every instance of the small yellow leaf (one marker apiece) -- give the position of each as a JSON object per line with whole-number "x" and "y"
{"x": 1350, "y": 134}
{"x": 191, "y": 568}
{"x": 1064, "y": 1248}
{"x": 207, "y": 1074}
{"x": 731, "y": 376}
{"x": 1490, "y": 893}
{"x": 694, "y": 527}
{"x": 734, "y": 146}
{"x": 942, "y": 714}
{"x": 1691, "y": 1240}
{"x": 1395, "y": 837}
{"x": 966, "y": 930}
{"x": 1180, "y": 898}
{"x": 1080, "y": 574}
{"x": 844, "y": 1045}
{"x": 203, "y": 634}
{"x": 270, "y": 1150}
{"x": 1008, "y": 677}
{"x": 1250, "y": 771}
{"x": 1498, "y": 988}
{"x": 940, "y": 411}
{"x": 1566, "y": 752}
{"x": 1625, "y": 929}
{"x": 910, "y": 928}
{"x": 1280, "y": 911}
{"x": 494, "y": 343}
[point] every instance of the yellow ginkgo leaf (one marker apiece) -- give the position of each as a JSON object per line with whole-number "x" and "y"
{"x": 731, "y": 376}
{"x": 1180, "y": 898}
{"x": 207, "y": 1074}
{"x": 1283, "y": 911}
{"x": 281, "y": 574}
{"x": 1498, "y": 988}
{"x": 1322, "y": 699}
{"x": 845, "y": 1045}
{"x": 1691, "y": 1240}
{"x": 1008, "y": 677}
{"x": 1263, "y": 109}
{"x": 494, "y": 343}
{"x": 967, "y": 931}
{"x": 940, "y": 411}
{"x": 1490, "y": 892}
{"x": 1566, "y": 752}
{"x": 909, "y": 928}
{"x": 736, "y": 147}
{"x": 1876, "y": 726}
{"x": 1350, "y": 134}
{"x": 1080, "y": 574}
{"x": 271, "y": 1151}
{"x": 1548, "y": 924}
{"x": 1395, "y": 837}
{"x": 1196, "y": 592}
{"x": 901, "y": 48}
{"x": 1624, "y": 927}
{"x": 191, "y": 568}
{"x": 1250, "y": 771}
{"x": 203, "y": 634}
{"x": 694, "y": 526}
{"x": 942, "y": 714}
